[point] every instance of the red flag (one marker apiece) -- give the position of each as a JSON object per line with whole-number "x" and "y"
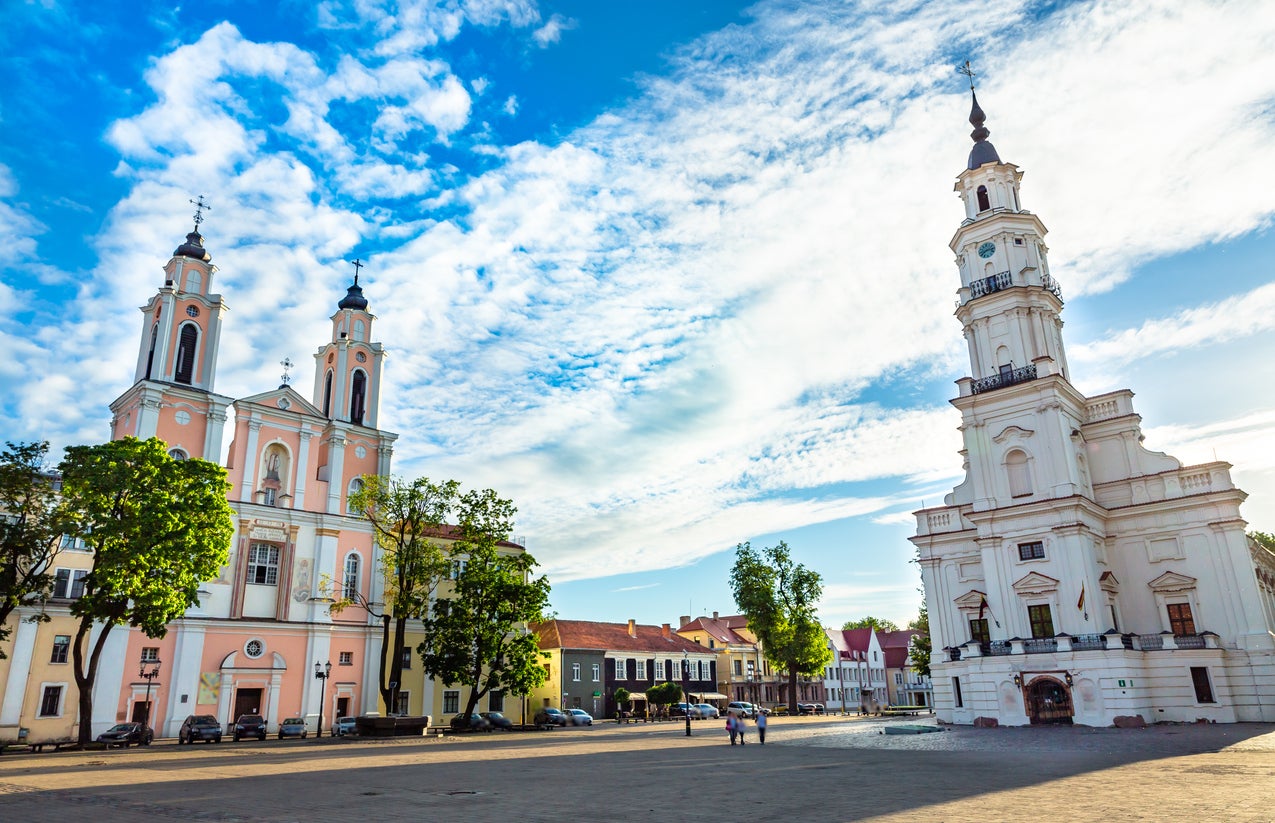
{"x": 1080, "y": 604}
{"x": 982, "y": 606}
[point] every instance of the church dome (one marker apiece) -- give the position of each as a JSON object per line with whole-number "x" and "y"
{"x": 983, "y": 152}
{"x": 354, "y": 298}
{"x": 193, "y": 248}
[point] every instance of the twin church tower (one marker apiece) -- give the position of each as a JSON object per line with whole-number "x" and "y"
{"x": 292, "y": 463}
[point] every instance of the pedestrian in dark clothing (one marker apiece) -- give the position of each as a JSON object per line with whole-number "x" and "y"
{"x": 761, "y": 727}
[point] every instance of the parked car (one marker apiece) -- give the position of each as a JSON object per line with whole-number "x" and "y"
{"x": 249, "y": 725}
{"x": 122, "y": 734}
{"x": 683, "y": 709}
{"x": 579, "y": 717}
{"x": 292, "y": 727}
{"x": 550, "y": 717}
{"x": 344, "y": 726}
{"x": 470, "y": 723}
{"x": 810, "y": 708}
{"x": 203, "y": 727}
{"x": 498, "y": 720}
{"x": 739, "y": 708}
{"x": 706, "y": 711}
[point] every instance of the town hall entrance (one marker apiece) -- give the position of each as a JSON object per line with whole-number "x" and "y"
{"x": 1048, "y": 702}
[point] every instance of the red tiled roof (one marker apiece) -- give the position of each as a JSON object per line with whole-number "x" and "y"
{"x": 895, "y": 657}
{"x": 586, "y": 634}
{"x": 721, "y": 629}
{"x": 899, "y": 639}
{"x": 857, "y": 639}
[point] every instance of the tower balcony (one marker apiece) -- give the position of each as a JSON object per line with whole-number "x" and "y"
{"x": 1008, "y": 377}
{"x": 996, "y": 282}
{"x": 1111, "y": 641}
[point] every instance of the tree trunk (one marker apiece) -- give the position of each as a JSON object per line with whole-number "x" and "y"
{"x": 84, "y": 679}
{"x": 792, "y": 689}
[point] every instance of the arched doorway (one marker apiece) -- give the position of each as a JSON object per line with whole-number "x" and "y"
{"x": 1048, "y": 702}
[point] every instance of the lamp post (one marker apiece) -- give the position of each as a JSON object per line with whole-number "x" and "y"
{"x": 322, "y": 671}
{"x": 686, "y": 697}
{"x": 149, "y": 671}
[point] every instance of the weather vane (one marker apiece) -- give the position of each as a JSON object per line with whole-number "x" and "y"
{"x": 357, "y": 264}
{"x": 287, "y": 367}
{"x": 200, "y": 205}
{"x": 968, "y": 71}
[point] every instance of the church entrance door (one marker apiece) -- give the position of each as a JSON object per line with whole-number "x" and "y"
{"x": 1048, "y": 702}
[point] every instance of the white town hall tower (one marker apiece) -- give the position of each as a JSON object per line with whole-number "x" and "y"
{"x": 1075, "y": 576}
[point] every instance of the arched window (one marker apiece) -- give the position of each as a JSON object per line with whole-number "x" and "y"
{"x": 150, "y": 355}
{"x": 186, "y": 345}
{"x": 327, "y": 394}
{"x": 358, "y": 330}
{"x": 1019, "y": 471}
{"x": 358, "y": 392}
{"x": 356, "y": 486}
{"x": 177, "y": 454}
{"x": 193, "y": 281}
{"x": 350, "y": 579}
{"x": 983, "y": 202}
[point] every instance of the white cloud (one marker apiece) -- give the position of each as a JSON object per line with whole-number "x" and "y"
{"x": 551, "y": 31}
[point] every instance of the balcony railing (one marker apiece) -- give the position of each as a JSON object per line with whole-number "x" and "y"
{"x": 1051, "y": 286}
{"x": 1008, "y": 378}
{"x": 999, "y": 647}
{"x": 1000, "y": 280}
{"x": 1087, "y": 642}
{"x": 1082, "y": 642}
{"x": 1040, "y": 645}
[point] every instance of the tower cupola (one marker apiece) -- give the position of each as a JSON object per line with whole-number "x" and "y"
{"x": 354, "y": 298}
{"x": 983, "y": 151}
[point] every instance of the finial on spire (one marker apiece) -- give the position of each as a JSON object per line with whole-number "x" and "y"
{"x": 357, "y": 264}
{"x": 200, "y": 205}
{"x": 287, "y": 367}
{"x": 968, "y": 71}
{"x": 983, "y": 151}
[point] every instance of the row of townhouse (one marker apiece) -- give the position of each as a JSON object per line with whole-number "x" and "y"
{"x": 746, "y": 675}
{"x": 872, "y": 669}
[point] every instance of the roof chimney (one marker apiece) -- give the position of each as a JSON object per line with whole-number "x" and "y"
{"x": 683, "y": 620}
{"x": 714, "y": 615}
{"x": 665, "y": 630}
{"x": 632, "y": 628}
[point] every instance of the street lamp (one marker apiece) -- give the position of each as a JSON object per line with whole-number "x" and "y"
{"x": 149, "y": 671}
{"x": 686, "y": 697}
{"x": 322, "y": 671}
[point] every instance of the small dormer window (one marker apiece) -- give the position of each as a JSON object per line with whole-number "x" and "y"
{"x": 984, "y": 202}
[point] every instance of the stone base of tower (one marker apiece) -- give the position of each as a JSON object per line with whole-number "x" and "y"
{"x": 1156, "y": 682}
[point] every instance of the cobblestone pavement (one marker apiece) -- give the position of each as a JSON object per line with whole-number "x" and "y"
{"x": 828, "y": 768}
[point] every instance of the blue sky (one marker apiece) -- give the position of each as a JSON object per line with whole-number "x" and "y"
{"x": 669, "y": 279}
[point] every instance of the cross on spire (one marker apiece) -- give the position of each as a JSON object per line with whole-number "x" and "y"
{"x": 287, "y": 367}
{"x": 200, "y": 205}
{"x": 968, "y": 71}
{"x": 357, "y": 264}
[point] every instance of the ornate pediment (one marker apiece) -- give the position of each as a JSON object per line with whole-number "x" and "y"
{"x": 1035, "y": 583}
{"x": 1013, "y": 433}
{"x": 1172, "y": 582}
{"x": 972, "y": 599}
{"x": 1108, "y": 583}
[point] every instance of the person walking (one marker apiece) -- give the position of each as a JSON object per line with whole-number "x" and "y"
{"x": 741, "y": 723}
{"x": 761, "y": 727}
{"x": 731, "y": 727}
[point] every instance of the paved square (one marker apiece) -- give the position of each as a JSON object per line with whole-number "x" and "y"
{"x": 812, "y": 768}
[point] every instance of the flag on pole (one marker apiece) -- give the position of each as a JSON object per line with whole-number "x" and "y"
{"x": 1080, "y": 604}
{"x": 982, "y": 606}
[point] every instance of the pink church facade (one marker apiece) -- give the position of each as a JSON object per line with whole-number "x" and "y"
{"x": 251, "y": 643}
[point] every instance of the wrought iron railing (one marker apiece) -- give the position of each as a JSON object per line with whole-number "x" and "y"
{"x": 1040, "y": 645}
{"x": 998, "y": 647}
{"x": 994, "y": 283}
{"x": 1087, "y": 642}
{"x": 954, "y": 654}
{"x": 1008, "y": 378}
{"x": 1189, "y": 641}
{"x": 1149, "y": 642}
{"x": 1051, "y": 286}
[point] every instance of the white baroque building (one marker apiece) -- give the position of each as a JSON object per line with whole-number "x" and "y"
{"x": 1075, "y": 576}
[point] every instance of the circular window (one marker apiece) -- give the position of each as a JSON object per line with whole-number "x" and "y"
{"x": 182, "y": 417}
{"x": 254, "y": 648}
{"x": 360, "y": 356}
{"x": 360, "y": 452}
{"x": 283, "y": 403}
{"x": 177, "y": 454}
{"x": 192, "y": 311}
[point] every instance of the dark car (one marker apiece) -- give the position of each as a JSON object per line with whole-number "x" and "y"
{"x": 470, "y": 723}
{"x": 122, "y": 734}
{"x": 250, "y": 725}
{"x": 550, "y": 717}
{"x": 199, "y": 727}
{"x": 498, "y": 720}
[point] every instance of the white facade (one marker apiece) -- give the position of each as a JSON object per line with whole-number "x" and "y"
{"x": 1075, "y": 575}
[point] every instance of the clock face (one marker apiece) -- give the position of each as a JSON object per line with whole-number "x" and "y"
{"x": 986, "y": 249}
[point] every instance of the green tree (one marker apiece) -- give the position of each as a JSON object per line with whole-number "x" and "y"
{"x": 622, "y": 699}
{"x": 778, "y": 597}
{"x": 1266, "y": 541}
{"x": 156, "y": 526}
{"x": 919, "y": 647}
{"x": 407, "y": 519}
{"x": 474, "y": 634}
{"x": 870, "y": 622}
{"x": 664, "y": 694}
{"x": 29, "y": 531}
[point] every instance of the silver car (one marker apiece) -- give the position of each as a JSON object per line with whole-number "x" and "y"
{"x": 344, "y": 726}
{"x": 706, "y": 711}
